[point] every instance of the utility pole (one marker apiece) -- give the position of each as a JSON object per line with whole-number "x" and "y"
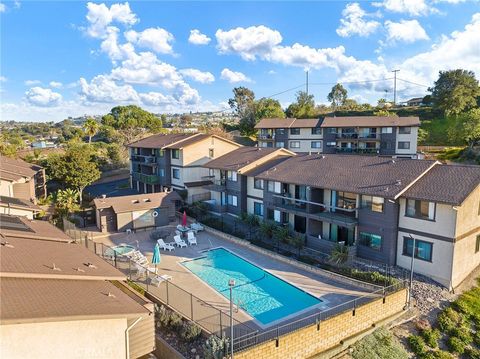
{"x": 395, "y": 87}
{"x": 307, "y": 82}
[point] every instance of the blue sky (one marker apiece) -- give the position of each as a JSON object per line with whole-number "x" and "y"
{"x": 69, "y": 58}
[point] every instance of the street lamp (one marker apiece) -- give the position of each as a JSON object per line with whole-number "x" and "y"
{"x": 231, "y": 284}
{"x": 411, "y": 272}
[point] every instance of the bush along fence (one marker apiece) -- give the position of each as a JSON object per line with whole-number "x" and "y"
{"x": 283, "y": 240}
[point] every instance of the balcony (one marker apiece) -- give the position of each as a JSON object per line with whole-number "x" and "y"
{"x": 266, "y": 136}
{"x": 357, "y": 150}
{"x": 148, "y": 179}
{"x": 217, "y": 185}
{"x": 144, "y": 159}
{"x": 347, "y": 135}
{"x": 369, "y": 136}
{"x": 289, "y": 203}
{"x": 343, "y": 218}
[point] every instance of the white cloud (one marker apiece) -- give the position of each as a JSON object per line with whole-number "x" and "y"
{"x": 410, "y": 7}
{"x": 405, "y": 31}
{"x": 353, "y": 22}
{"x": 2, "y": 7}
{"x": 55, "y": 84}
{"x": 197, "y": 38}
{"x": 199, "y": 76}
{"x": 100, "y": 16}
{"x": 233, "y": 76}
{"x": 43, "y": 97}
{"x": 157, "y": 39}
{"x": 156, "y": 99}
{"x": 248, "y": 42}
{"x": 3, "y": 79}
{"x": 104, "y": 89}
{"x": 32, "y": 82}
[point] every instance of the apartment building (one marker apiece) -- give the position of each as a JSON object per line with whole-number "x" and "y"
{"x": 369, "y": 204}
{"x": 23, "y": 180}
{"x": 232, "y": 186}
{"x": 389, "y": 136}
{"x": 175, "y": 161}
{"x": 59, "y": 300}
{"x": 18, "y": 207}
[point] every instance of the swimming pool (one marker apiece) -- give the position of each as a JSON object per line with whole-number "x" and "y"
{"x": 122, "y": 249}
{"x": 264, "y": 296}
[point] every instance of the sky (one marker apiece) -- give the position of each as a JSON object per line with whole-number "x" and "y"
{"x": 71, "y": 58}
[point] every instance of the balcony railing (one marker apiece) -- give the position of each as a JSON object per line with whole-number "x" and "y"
{"x": 348, "y": 135}
{"x": 357, "y": 150}
{"x": 218, "y": 185}
{"x": 266, "y": 136}
{"x": 148, "y": 179}
{"x": 144, "y": 159}
{"x": 371, "y": 135}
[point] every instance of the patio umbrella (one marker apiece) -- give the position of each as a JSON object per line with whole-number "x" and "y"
{"x": 184, "y": 219}
{"x": 156, "y": 256}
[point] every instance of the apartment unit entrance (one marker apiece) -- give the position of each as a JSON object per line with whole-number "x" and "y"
{"x": 342, "y": 235}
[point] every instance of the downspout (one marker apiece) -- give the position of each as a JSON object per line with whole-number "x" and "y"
{"x": 127, "y": 342}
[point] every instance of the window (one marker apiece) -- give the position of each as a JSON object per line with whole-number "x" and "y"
{"x": 161, "y": 153}
{"x": 346, "y": 200}
{"x": 423, "y": 250}
{"x": 232, "y": 176}
{"x": 257, "y": 183}
{"x": 176, "y": 154}
{"x": 211, "y": 172}
{"x": 316, "y": 131}
{"x": 279, "y": 144}
{"x": 176, "y": 173}
{"x": 404, "y": 130}
{"x": 161, "y": 172}
{"x": 276, "y": 216}
{"x": 332, "y": 130}
{"x": 386, "y": 145}
{"x": 280, "y": 131}
{"x": 420, "y": 209}
{"x": 477, "y": 244}
{"x": 375, "y": 204}
{"x": 403, "y": 145}
{"x": 387, "y": 129}
{"x": 274, "y": 187}
{"x": 331, "y": 144}
{"x": 373, "y": 241}
{"x": 211, "y": 153}
{"x": 294, "y": 131}
{"x": 258, "y": 208}
{"x": 232, "y": 200}
{"x": 294, "y": 144}
{"x": 316, "y": 144}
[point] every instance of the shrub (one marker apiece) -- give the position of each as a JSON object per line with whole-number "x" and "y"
{"x": 380, "y": 344}
{"x": 438, "y": 354}
{"x": 339, "y": 254}
{"x": 472, "y": 353}
{"x": 175, "y": 321}
{"x": 163, "y": 315}
{"x": 215, "y": 347}
{"x": 455, "y": 345}
{"x": 462, "y": 333}
{"x": 416, "y": 344}
{"x": 448, "y": 320}
{"x": 476, "y": 338}
{"x": 190, "y": 331}
{"x": 431, "y": 337}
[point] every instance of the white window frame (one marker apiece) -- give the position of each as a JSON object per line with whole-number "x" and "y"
{"x": 387, "y": 130}
{"x": 316, "y": 142}
{"x": 294, "y": 144}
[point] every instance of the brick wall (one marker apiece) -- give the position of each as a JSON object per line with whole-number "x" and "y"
{"x": 310, "y": 341}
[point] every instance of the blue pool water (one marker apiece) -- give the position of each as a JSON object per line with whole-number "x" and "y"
{"x": 264, "y": 296}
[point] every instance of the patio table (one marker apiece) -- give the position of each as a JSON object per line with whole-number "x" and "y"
{"x": 183, "y": 230}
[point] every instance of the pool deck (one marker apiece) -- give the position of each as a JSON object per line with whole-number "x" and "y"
{"x": 332, "y": 292}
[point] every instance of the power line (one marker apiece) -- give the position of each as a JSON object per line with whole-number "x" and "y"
{"x": 413, "y": 83}
{"x": 349, "y": 82}
{"x": 291, "y": 89}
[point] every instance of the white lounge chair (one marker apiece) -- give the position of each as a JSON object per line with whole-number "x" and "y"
{"x": 156, "y": 280}
{"x": 165, "y": 246}
{"x": 191, "y": 238}
{"x": 139, "y": 258}
{"x": 153, "y": 270}
{"x": 197, "y": 227}
{"x": 179, "y": 242}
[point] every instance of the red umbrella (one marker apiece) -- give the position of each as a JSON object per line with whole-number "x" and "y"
{"x": 184, "y": 219}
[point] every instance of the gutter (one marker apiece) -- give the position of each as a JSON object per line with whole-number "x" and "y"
{"x": 127, "y": 342}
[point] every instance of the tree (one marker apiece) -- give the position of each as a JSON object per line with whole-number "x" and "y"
{"x": 304, "y": 107}
{"x": 75, "y": 168}
{"x": 91, "y": 128}
{"x": 268, "y": 108}
{"x": 66, "y": 201}
{"x": 351, "y": 105}
{"x": 385, "y": 113}
{"x": 185, "y": 120}
{"x": 466, "y": 128}
{"x": 243, "y": 104}
{"x": 337, "y": 96}
{"x": 455, "y": 91}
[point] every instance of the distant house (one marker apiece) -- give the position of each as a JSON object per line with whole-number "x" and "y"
{"x": 21, "y": 179}
{"x": 416, "y": 101}
{"x": 18, "y": 207}
{"x": 43, "y": 144}
{"x": 139, "y": 211}
{"x": 60, "y": 300}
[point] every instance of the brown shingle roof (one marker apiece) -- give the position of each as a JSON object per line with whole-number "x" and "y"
{"x": 240, "y": 157}
{"x": 446, "y": 184}
{"x": 22, "y": 227}
{"x": 34, "y": 259}
{"x": 378, "y": 176}
{"x": 265, "y": 166}
{"x": 137, "y": 202}
{"x": 161, "y": 140}
{"x": 18, "y": 203}
{"x": 370, "y": 121}
{"x": 288, "y": 123}
{"x": 25, "y": 300}
{"x": 15, "y": 169}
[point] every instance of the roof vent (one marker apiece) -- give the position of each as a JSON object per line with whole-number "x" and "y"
{"x": 80, "y": 270}
{"x": 104, "y": 196}
{"x": 110, "y": 295}
{"x": 393, "y": 161}
{"x": 91, "y": 265}
{"x": 386, "y": 189}
{"x": 135, "y": 201}
{"x": 56, "y": 268}
{"x": 399, "y": 183}
{"x": 6, "y": 244}
{"x": 146, "y": 200}
{"x": 323, "y": 156}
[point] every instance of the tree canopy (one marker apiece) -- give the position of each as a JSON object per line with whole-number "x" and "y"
{"x": 337, "y": 96}
{"x": 467, "y": 127}
{"x": 455, "y": 91}
{"x": 91, "y": 128}
{"x": 303, "y": 107}
{"x": 243, "y": 104}
{"x": 268, "y": 108}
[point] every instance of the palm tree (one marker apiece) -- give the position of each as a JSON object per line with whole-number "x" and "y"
{"x": 66, "y": 201}
{"x": 91, "y": 128}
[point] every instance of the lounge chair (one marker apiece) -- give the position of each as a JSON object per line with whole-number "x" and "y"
{"x": 179, "y": 242}
{"x": 156, "y": 280}
{"x": 178, "y": 233}
{"x": 191, "y": 238}
{"x": 165, "y": 246}
{"x": 139, "y": 258}
{"x": 197, "y": 227}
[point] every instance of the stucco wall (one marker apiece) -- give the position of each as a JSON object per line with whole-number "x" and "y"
{"x": 24, "y": 190}
{"x": 6, "y": 188}
{"x": 70, "y": 339}
{"x": 17, "y": 212}
{"x": 251, "y": 190}
{"x": 411, "y": 137}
